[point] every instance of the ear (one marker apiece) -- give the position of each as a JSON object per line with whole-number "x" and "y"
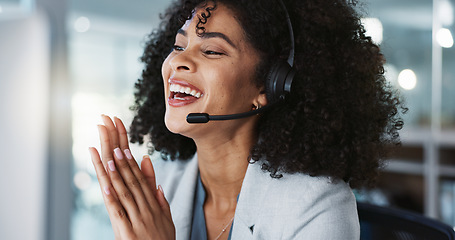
{"x": 261, "y": 99}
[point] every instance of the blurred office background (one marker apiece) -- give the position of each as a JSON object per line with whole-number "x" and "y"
{"x": 65, "y": 62}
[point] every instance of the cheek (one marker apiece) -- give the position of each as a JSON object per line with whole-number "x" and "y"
{"x": 236, "y": 86}
{"x": 165, "y": 69}
{"x": 243, "y": 79}
{"x": 165, "y": 73}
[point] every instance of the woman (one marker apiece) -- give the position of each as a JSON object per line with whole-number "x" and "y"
{"x": 283, "y": 174}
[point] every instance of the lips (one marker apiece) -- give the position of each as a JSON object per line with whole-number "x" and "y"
{"x": 182, "y": 93}
{"x": 180, "y": 89}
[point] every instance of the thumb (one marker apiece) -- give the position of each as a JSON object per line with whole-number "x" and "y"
{"x": 149, "y": 172}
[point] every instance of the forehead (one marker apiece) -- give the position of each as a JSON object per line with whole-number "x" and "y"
{"x": 221, "y": 19}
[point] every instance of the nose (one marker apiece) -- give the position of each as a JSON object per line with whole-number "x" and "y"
{"x": 183, "y": 62}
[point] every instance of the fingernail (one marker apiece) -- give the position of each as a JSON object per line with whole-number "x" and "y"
{"x": 128, "y": 154}
{"x": 90, "y": 152}
{"x": 106, "y": 190}
{"x": 161, "y": 189}
{"x": 111, "y": 165}
{"x": 118, "y": 153}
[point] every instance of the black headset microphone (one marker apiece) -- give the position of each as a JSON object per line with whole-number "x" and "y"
{"x": 277, "y": 86}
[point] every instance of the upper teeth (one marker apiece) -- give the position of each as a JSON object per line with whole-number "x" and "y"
{"x": 182, "y": 89}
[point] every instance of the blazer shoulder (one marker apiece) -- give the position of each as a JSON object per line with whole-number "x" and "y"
{"x": 304, "y": 188}
{"x": 306, "y": 204}
{"x": 298, "y": 187}
{"x": 320, "y": 202}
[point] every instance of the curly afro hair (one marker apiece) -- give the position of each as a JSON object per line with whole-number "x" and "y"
{"x": 341, "y": 116}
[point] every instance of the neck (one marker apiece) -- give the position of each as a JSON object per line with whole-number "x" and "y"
{"x": 223, "y": 162}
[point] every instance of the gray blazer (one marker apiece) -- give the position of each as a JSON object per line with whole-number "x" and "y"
{"x": 295, "y": 206}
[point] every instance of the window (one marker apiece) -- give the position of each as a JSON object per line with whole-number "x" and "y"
{"x": 105, "y": 42}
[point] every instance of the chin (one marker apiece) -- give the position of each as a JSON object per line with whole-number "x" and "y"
{"x": 176, "y": 124}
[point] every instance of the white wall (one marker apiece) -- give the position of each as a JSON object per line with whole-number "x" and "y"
{"x": 24, "y": 111}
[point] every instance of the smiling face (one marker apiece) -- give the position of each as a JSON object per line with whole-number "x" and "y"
{"x": 212, "y": 72}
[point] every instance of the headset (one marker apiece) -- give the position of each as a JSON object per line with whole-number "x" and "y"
{"x": 281, "y": 75}
{"x": 278, "y": 84}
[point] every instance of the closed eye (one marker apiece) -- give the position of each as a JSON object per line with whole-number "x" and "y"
{"x": 208, "y": 52}
{"x": 177, "y": 48}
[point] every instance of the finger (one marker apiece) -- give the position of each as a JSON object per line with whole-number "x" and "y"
{"x": 148, "y": 190}
{"x": 106, "y": 150}
{"x": 149, "y": 173}
{"x": 116, "y": 212}
{"x": 136, "y": 181}
{"x": 112, "y": 130}
{"x": 163, "y": 203}
{"x": 124, "y": 194}
{"x": 122, "y": 133}
{"x": 126, "y": 187}
{"x": 123, "y": 140}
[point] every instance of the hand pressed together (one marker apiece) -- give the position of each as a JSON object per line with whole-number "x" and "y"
{"x": 137, "y": 208}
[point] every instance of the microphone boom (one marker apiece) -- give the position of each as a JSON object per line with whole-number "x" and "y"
{"x": 205, "y": 117}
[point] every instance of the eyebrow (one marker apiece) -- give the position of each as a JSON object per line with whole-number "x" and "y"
{"x": 210, "y": 35}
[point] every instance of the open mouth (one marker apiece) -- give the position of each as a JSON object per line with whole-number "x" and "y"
{"x": 180, "y": 92}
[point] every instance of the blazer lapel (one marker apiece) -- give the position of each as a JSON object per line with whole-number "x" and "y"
{"x": 183, "y": 200}
{"x": 252, "y": 195}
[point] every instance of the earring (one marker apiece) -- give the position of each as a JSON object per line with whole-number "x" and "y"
{"x": 256, "y": 107}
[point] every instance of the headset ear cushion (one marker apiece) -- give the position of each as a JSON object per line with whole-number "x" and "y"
{"x": 270, "y": 83}
{"x": 274, "y": 87}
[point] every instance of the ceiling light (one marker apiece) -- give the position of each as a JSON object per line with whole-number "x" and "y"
{"x": 374, "y": 29}
{"x": 444, "y": 38}
{"x": 407, "y": 79}
{"x": 82, "y": 180}
{"x": 82, "y": 24}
